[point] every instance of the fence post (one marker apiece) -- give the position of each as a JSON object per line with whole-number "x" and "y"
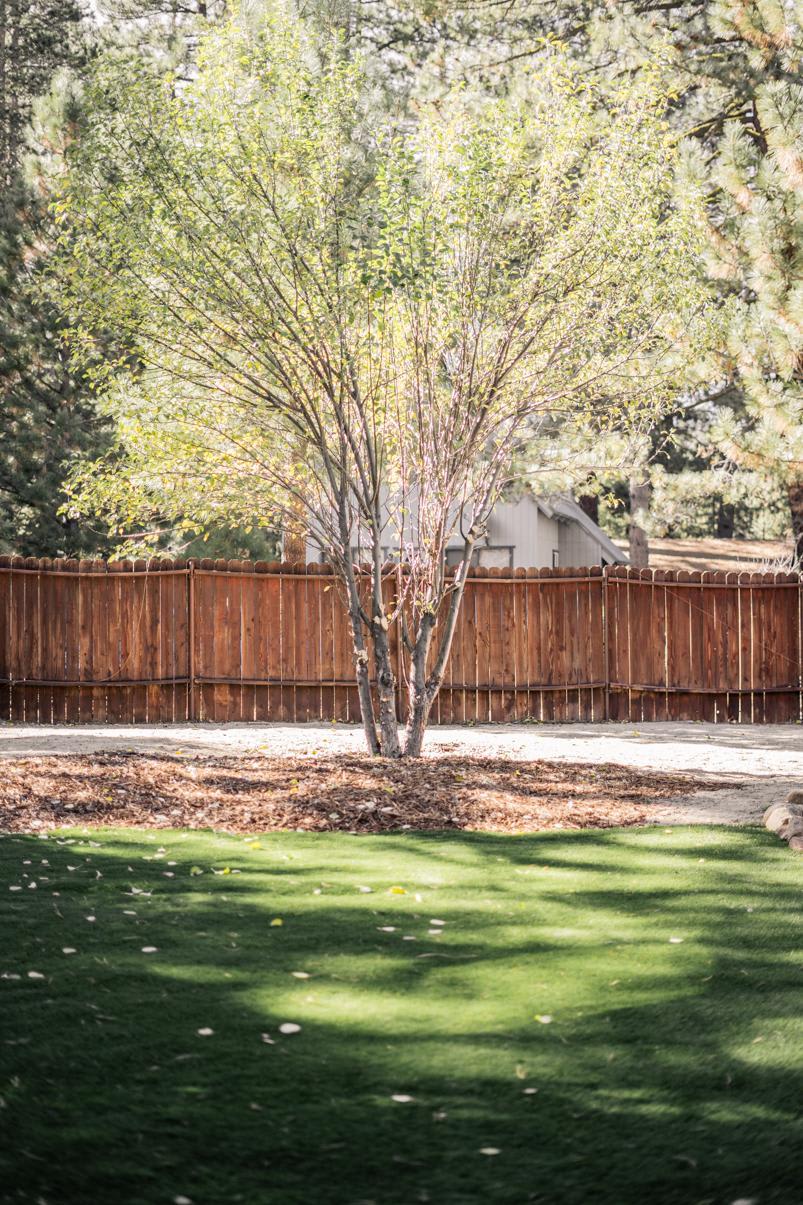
{"x": 799, "y": 646}
{"x": 191, "y": 710}
{"x": 605, "y": 641}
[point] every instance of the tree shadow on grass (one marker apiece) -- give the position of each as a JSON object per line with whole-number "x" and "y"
{"x": 665, "y": 1072}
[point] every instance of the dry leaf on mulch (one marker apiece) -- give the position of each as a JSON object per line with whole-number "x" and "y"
{"x": 348, "y": 792}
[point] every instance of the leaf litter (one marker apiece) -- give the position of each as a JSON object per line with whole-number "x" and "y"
{"x": 256, "y": 792}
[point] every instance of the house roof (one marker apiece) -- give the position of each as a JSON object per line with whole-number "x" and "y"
{"x": 564, "y": 508}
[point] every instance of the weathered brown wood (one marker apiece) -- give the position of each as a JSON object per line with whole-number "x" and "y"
{"x": 118, "y": 697}
{"x": 204, "y": 656}
{"x": 288, "y": 581}
{"x": 507, "y": 623}
{"x": 16, "y": 626}
{"x": 274, "y": 617}
{"x": 5, "y": 638}
{"x": 618, "y": 663}
{"x": 98, "y": 603}
{"x": 85, "y": 641}
{"x": 308, "y": 646}
{"x": 521, "y": 699}
{"x": 71, "y": 666}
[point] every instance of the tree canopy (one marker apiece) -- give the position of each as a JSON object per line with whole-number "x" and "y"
{"x": 363, "y": 319}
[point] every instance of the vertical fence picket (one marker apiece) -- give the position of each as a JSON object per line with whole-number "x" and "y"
{"x": 89, "y": 641}
{"x": 262, "y": 620}
{"x": 5, "y": 638}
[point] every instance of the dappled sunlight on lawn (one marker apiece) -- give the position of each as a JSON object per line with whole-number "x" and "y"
{"x": 304, "y": 1018}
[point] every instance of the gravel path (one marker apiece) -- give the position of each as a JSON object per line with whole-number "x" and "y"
{"x": 762, "y": 762}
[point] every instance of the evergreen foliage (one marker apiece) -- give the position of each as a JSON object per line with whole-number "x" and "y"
{"x": 734, "y": 70}
{"x": 47, "y": 417}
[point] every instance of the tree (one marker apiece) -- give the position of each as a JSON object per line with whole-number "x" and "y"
{"x": 735, "y": 75}
{"x": 736, "y": 66}
{"x": 48, "y": 418}
{"x": 46, "y": 414}
{"x": 362, "y": 320}
{"x": 36, "y": 37}
{"x": 757, "y": 253}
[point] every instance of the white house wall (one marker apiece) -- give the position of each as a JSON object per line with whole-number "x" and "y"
{"x": 535, "y": 538}
{"x": 548, "y": 541}
{"x": 577, "y": 549}
{"x": 513, "y": 524}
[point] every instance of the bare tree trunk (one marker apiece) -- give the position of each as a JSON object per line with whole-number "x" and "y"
{"x": 590, "y": 504}
{"x": 364, "y": 689}
{"x": 424, "y": 688}
{"x": 726, "y": 520}
{"x": 640, "y": 492}
{"x": 420, "y": 700}
{"x": 294, "y": 544}
{"x": 361, "y": 663}
{"x": 386, "y": 688}
{"x": 794, "y": 492}
{"x": 294, "y": 535}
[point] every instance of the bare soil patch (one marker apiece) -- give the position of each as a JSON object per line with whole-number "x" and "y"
{"x": 349, "y": 792}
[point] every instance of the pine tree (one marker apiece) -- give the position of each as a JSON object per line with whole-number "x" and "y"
{"x": 48, "y": 421}
{"x": 47, "y": 417}
{"x": 36, "y": 38}
{"x": 735, "y": 68}
{"x": 757, "y": 253}
{"x": 46, "y": 413}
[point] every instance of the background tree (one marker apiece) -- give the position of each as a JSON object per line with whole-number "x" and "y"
{"x": 363, "y": 319}
{"x": 734, "y": 79}
{"x": 46, "y": 415}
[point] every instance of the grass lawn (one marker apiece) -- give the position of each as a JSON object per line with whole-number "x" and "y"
{"x": 610, "y": 1017}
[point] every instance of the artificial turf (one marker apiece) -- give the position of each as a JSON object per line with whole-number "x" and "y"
{"x": 616, "y": 1014}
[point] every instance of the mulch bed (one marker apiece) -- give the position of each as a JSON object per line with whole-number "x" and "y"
{"x": 353, "y": 793}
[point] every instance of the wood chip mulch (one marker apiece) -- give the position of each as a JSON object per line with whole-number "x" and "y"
{"x": 256, "y": 793}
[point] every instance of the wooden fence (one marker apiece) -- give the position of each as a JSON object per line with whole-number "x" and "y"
{"x": 161, "y": 641}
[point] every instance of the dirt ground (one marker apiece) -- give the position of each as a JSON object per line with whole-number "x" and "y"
{"x": 257, "y": 792}
{"x": 725, "y": 773}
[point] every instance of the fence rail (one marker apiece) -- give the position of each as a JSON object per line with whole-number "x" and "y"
{"x": 162, "y": 641}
